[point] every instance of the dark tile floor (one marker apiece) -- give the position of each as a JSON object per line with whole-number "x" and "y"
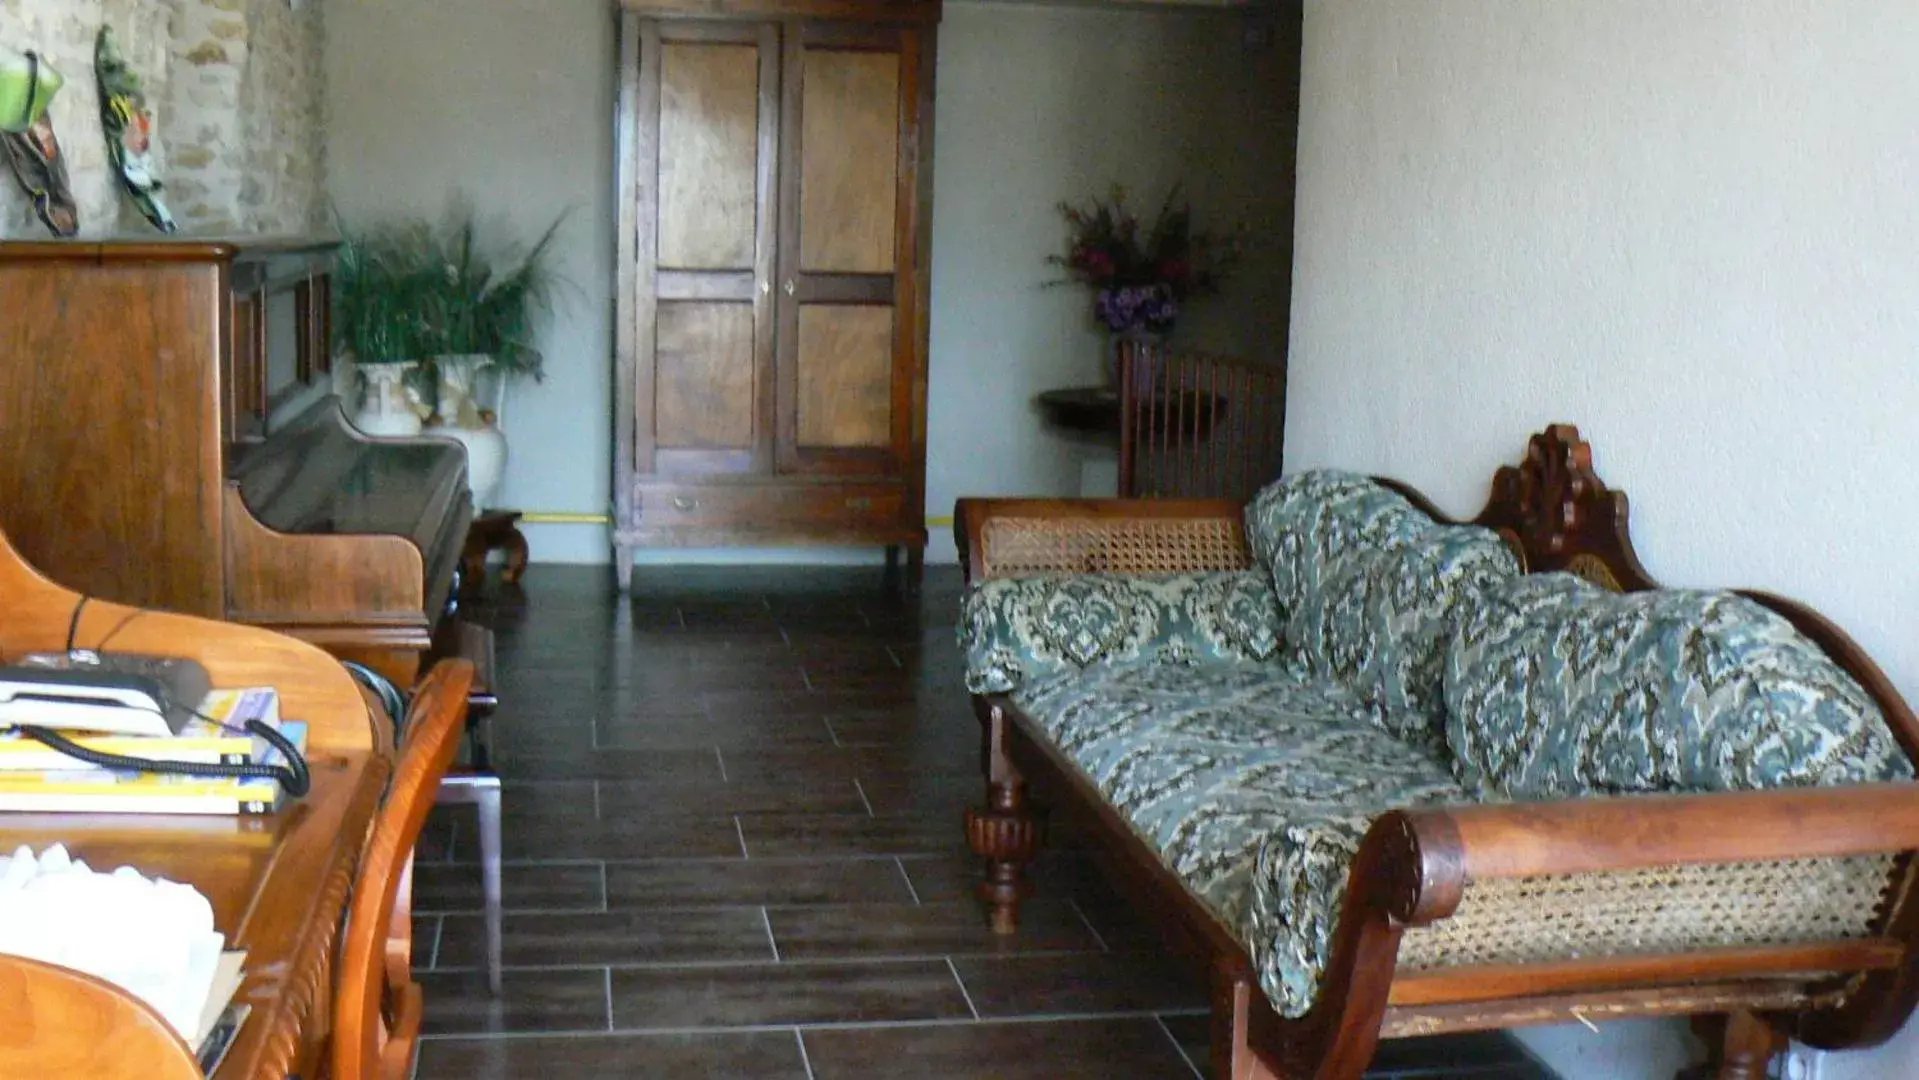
{"x": 732, "y": 828}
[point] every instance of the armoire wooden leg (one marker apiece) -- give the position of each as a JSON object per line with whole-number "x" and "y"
{"x": 623, "y": 568}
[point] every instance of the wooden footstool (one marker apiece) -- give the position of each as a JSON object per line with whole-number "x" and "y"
{"x": 493, "y": 530}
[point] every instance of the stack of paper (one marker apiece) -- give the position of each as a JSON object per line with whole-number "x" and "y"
{"x": 151, "y": 937}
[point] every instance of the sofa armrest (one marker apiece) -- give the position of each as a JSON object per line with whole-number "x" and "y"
{"x": 1011, "y": 537}
{"x": 1443, "y": 849}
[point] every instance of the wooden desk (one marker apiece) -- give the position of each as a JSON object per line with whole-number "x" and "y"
{"x": 278, "y": 883}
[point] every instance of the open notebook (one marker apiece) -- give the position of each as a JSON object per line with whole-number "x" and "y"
{"x": 151, "y": 937}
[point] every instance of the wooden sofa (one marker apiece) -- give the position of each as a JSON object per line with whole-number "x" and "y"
{"x": 1415, "y": 869}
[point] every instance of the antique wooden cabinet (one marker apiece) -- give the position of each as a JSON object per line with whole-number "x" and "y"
{"x": 171, "y": 441}
{"x": 775, "y": 186}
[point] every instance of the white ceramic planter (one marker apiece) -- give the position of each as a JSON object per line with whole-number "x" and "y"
{"x": 385, "y": 409}
{"x": 461, "y": 419}
{"x": 485, "y": 459}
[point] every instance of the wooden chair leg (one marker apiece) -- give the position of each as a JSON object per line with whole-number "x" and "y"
{"x": 1742, "y": 1047}
{"x": 482, "y": 792}
{"x": 1007, "y": 833}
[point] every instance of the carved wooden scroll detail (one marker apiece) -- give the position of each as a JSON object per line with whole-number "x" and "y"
{"x": 1559, "y": 515}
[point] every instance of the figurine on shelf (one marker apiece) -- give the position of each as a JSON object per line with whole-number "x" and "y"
{"x": 27, "y": 86}
{"x": 129, "y": 129}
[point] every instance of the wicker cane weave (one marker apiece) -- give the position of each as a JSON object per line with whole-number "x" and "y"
{"x": 1014, "y": 546}
{"x": 1670, "y": 909}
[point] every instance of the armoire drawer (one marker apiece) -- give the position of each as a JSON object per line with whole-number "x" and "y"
{"x": 768, "y": 505}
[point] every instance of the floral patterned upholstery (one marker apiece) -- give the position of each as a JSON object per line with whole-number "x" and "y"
{"x": 1017, "y": 629}
{"x": 1387, "y": 618}
{"x": 1209, "y": 765}
{"x": 1298, "y": 889}
{"x": 1304, "y": 529}
{"x": 1556, "y": 688}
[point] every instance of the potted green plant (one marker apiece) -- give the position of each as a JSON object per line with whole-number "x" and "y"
{"x": 380, "y": 285}
{"x": 444, "y": 302}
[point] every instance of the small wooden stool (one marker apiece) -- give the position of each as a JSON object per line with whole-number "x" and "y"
{"x": 493, "y": 530}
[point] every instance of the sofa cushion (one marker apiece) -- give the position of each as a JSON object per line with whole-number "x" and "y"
{"x": 1304, "y": 528}
{"x": 1020, "y": 628}
{"x": 1207, "y": 763}
{"x": 1382, "y": 625}
{"x": 1556, "y": 688}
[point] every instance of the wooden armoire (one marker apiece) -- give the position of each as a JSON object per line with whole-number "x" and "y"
{"x": 775, "y": 219}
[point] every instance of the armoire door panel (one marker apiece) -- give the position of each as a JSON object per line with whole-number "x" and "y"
{"x": 705, "y": 154}
{"x": 849, "y": 151}
{"x": 707, "y": 285}
{"x": 709, "y": 155}
{"x": 703, "y": 376}
{"x": 845, "y": 369}
{"x": 772, "y": 331}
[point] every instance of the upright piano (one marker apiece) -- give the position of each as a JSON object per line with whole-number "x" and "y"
{"x": 171, "y": 440}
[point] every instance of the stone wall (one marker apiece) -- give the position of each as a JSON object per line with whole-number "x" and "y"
{"x": 236, "y": 91}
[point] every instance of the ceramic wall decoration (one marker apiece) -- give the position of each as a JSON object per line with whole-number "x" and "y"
{"x": 27, "y": 87}
{"x": 129, "y": 129}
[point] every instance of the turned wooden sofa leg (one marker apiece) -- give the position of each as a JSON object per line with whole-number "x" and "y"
{"x": 1006, "y": 833}
{"x": 1742, "y": 1046}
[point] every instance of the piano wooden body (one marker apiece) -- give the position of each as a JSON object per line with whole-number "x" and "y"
{"x": 171, "y": 440}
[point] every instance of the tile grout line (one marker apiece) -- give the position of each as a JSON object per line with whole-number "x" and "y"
{"x": 806, "y": 1061}
{"x": 1027, "y": 1020}
{"x": 721, "y": 758}
{"x": 608, "y": 972}
{"x": 606, "y": 889}
{"x": 864, "y": 801}
{"x": 1177, "y": 1048}
{"x": 439, "y": 935}
{"x": 964, "y": 992}
{"x": 823, "y": 960}
{"x": 908, "y": 878}
{"x": 766, "y": 920}
{"x": 834, "y": 734}
{"x": 596, "y": 800}
{"x": 740, "y": 831}
{"x": 1088, "y": 923}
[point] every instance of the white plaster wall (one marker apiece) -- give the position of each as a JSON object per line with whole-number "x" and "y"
{"x": 511, "y": 100}
{"x": 1039, "y": 104}
{"x": 511, "y": 103}
{"x": 1691, "y": 226}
